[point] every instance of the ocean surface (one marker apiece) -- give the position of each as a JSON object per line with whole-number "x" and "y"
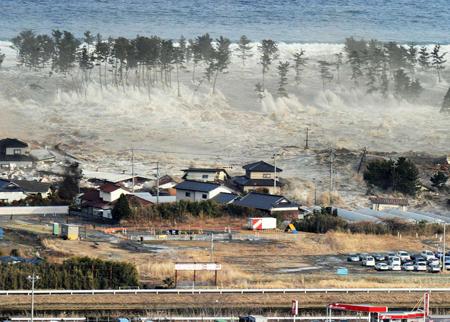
{"x": 283, "y": 20}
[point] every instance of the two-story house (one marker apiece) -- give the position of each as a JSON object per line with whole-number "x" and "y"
{"x": 259, "y": 176}
{"x": 206, "y": 174}
{"x": 14, "y": 152}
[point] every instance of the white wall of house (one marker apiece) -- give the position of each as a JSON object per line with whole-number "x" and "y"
{"x": 261, "y": 175}
{"x": 112, "y": 196}
{"x": 205, "y": 176}
{"x": 12, "y": 196}
{"x": 15, "y": 151}
{"x": 381, "y": 207}
{"x": 199, "y": 196}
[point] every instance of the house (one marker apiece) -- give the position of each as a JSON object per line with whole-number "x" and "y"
{"x": 110, "y": 192}
{"x": 197, "y": 191}
{"x": 380, "y": 204}
{"x": 98, "y": 178}
{"x": 10, "y": 192}
{"x": 206, "y": 174}
{"x": 14, "y": 152}
{"x": 15, "y": 190}
{"x": 269, "y": 204}
{"x": 163, "y": 198}
{"x": 166, "y": 184}
{"x": 92, "y": 205}
{"x": 259, "y": 176}
{"x": 225, "y": 198}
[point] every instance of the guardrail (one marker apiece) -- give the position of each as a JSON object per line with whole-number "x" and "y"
{"x": 227, "y": 291}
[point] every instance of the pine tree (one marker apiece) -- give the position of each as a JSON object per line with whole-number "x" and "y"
{"x": 178, "y": 59}
{"x": 283, "y": 69}
{"x": 121, "y": 209}
{"x": 412, "y": 59}
{"x": 339, "y": 63}
{"x": 221, "y": 58}
{"x": 384, "y": 81}
{"x": 244, "y": 49}
{"x": 299, "y": 64}
{"x": 401, "y": 83}
{"x": 446, "y": 103}
{"x": 269, "y": 52}
{"x": 355, "y": 63}
{"x": 325, "y": 73}
{"x": 371, "y": 79}
{"x": 437, "y": 60}
{"x": 424, "y": 58}
{"x": 2, "y": 58}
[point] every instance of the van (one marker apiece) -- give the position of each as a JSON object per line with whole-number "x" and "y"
{"x": 395, "y": 260}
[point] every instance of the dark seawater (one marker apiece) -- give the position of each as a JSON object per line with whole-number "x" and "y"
{"x": 283, "y": 20}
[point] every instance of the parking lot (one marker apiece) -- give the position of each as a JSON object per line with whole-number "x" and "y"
{"x": 426, "y": 261}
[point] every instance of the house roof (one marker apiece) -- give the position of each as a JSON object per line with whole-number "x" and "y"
{"x": 32, "y": 186}
{"x": 261, "y": 166}
{"x": 153, "y": 199}
{"x": 110, "y": 187}
{"x": 197, "y": 186}
{"x": 91, "y": 198}
{"x": 264, "y": 201}
{"x": 225, "y": 198}
{"x": 12, "y": 143}
{"x": 244, "y": 181}
{"x": 165, "y": 179}
{"x": 111, "y": 177}
{"x": 8, "y": 186}
{"x": 389, "y": 201}
{"x": 204, "y": 170}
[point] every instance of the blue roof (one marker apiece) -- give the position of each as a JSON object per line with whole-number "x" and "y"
{"x": 265, "y": 201}
{"x": 8, "y": 186}
{"x": 225, "y": 198}
{"x": 197, "y": 186}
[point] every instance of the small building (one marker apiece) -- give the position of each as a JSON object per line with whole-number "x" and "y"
{"x": 259, "y": 176}
{"x": 218, "y": 175}
{"x": 34, "y": 188}
{"x": 10, "y": 192}
{"x": 70, "y": 232}
{"x": 14, "y": 152}
{"x": 380, "y": 204}
{"x": 198, "y": 191}
{"x": 269, "y": 204}
{"x": 99, "y": 178}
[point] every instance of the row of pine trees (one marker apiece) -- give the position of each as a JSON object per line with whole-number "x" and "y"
{"x": 144, "y": 62}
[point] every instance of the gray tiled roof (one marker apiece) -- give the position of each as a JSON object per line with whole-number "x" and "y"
{"x": 244, "y": 181}
{"x": 32, "y": 186}
{"x": 225, "y": 198}
{"x": 196, "y": 186}
{"x": 12, "y": 143}
{"x": 264, "y": 201}
{"x": 261, "y": 166}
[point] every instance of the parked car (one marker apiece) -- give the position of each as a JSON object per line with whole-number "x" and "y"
{"x": 420, "y": 266}
{"x": 433, "y": 261}
{"x": 353, "y": 258}
{"x": 395, "y": 260}
{"x": 427, "y": 254}
{"x": 419, "y": 258}
{"x": 381, "y": 267}
{"x": 395, "y": 267}
{"x": 379, "y": 257}
{"x": 447, "y": 264}
{"x": 404, "y": 256}
{"x": 408, "y": 266}
{"x": 368, "y": 261}
{"x": 433, "y": 268}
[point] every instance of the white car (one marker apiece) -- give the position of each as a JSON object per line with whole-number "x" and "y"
{"x": 368, "y": 261}
{"x": 395, "y": 260}
{"x": 404, "y": 256}
{"x": 434, "y": 261}
{"x": 409, "y": 266}
{"x": 381, "y": 267}
{"x": 434, "y": 268}
{"x": 427, "y": 254}
{"x": 395, "y": 267}
{"x": 420, "y": 267}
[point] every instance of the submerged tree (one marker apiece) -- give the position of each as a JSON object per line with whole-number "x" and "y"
{"x": 437, "y": 60}
{"x": 244, "y": 49}
{"x": 355, "y": 63}
{"x": 299, "y": 65}
{"x": 325, "y": 73}
{"x": 2, "y": 58}
{"x": 446, "y": 103}
{"x": 283, "y": 69}
{"x": 269, "y": 51}
{"x": 424, "y": 58}
{"x": 439, "y": 179}
{"x": 339, "y": 63}
{"x": 220, "y": 59}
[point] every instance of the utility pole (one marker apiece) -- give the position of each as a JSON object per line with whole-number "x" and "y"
{"x": 275, "y": 171}
{"x": 363, "y": 159}
{"x": 443, "y": 252}
{"x": 33, "y": 278}
{"x": 307, "y": 139}
{"x": 331, "y": 175}
{"x": 315, "y": 192}
{"x": 394, "y": 166}
{"x": 211, "y": 251}
{"x": 157, "y": 182}
{"x": 132, "y": 170}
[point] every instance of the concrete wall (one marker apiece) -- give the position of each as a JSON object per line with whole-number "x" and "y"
{"x": 44, "y": 210}
{"x": 381, "y": 207}
{"x": 12, "y": 196}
